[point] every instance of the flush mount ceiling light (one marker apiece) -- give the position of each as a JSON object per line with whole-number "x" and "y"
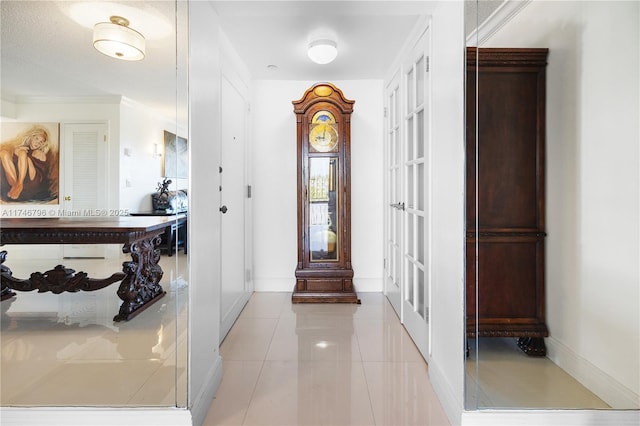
{"x": 322, "y": 51}
{"x": 117, "y": 40}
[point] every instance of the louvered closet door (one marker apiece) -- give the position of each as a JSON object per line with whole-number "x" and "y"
{"x": 84, "y": 184}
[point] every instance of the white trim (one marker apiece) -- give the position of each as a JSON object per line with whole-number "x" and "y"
{"x": 230, "y": 317}
{"x": 503, "y": 14}
{"x": 273, "y": 284}
{"x": 603, "y": 385}
{"x": 550, "y": 418}
{"x": 113, "y": 99}
{"x": 81, "y": 416}
{"x": 368, "y": 285}
{"x": 446, "y": 394}
{"x": 416, "y": 32}
{"x": 201, "y": 402}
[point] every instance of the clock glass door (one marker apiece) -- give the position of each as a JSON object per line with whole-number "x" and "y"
{"x": 323, "y": 209}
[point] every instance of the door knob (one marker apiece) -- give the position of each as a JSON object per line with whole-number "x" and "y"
{"x": 67, "y": 198}
{"x": 223, "y": 209}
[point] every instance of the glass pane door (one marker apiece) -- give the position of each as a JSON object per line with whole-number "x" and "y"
{"x": 415, "y": 291}
{"x": 393, "y": 212}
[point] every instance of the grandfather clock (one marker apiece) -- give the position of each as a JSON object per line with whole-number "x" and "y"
{"x": 324, "y": 272}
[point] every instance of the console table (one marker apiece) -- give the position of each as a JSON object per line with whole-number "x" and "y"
{"x": 140, "y": 277}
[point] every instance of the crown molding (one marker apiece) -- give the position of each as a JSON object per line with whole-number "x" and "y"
{"x": 110, "y": 99}
{"x": 503, "y": 14}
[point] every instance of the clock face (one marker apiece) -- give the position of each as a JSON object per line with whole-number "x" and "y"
{"x": 323, "y": 137}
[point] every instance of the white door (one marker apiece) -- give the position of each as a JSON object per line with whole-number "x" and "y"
{"x": 416, "y": 175}
{"x": 235, "y": 290}
{"x": 393, "y": 210}
{"x": 84, "y": 189}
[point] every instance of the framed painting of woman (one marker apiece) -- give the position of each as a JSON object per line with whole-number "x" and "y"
{"x": 30, "y": 163}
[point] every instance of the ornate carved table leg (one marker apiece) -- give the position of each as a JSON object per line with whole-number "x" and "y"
{"x": 56, "y": 280}
{"x": 533, "y": 346}
{"x": 5, "y": 292}
{"x": 140, "y": 286}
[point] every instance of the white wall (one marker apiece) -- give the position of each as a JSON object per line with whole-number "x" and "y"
{"x": 140, "y": 171}
{"x": 275, "y": 182}
{"x": 66, "y": 110}
{"x": 130, "y": 125}
{"x": 446, "y": 363}
{"x": 77, "y": 110}
{"x": 205, "y": 363}
{"x": 593, "y": 243}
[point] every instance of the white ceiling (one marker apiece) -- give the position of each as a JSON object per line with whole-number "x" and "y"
{"x": 369, "y": 34}
{"x": 46, "y": 46}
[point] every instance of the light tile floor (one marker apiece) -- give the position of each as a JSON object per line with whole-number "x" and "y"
{"x": 65, "y": 349}
{"x": 322, "y": 364}
{"x": 505, "y": 377}
{"x": 283, "y": 363}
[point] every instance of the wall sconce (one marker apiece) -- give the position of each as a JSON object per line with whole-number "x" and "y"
{"x": 322, "y": 51}
{"x": 156, "y": 151}
{"x": 117, "y": 40}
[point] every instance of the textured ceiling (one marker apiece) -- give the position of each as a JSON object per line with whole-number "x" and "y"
{"x": 477, "y": 11}
{"x": 47, "y": 45}
{"x": 47, "y": 51}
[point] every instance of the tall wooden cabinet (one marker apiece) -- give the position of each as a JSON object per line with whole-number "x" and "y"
{"x": 324, "y": 272}
{"x": 506, "y": 221}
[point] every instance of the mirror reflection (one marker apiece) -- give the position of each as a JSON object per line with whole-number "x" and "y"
{"x": 588, "y": 199}
{"x": 108, "y": 160}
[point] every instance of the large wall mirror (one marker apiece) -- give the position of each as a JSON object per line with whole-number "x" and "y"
{"x": 570, "y": 325}
{"x": 117, "y": 135}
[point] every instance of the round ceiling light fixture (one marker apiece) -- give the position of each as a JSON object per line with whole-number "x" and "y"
{"x": 322, "y": 51}
{"x": 117, "y": 40}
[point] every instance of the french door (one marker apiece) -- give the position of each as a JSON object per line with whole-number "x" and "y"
{"x": 408, "y": 273}
{"x": 394, "y": 208}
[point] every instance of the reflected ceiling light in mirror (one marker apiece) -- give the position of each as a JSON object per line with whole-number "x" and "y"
{"x": 153, "y": 19}
{"x": 117, "y": 40}
{"x": 322, "y": 51}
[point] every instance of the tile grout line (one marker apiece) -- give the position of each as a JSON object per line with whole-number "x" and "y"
{"x": 264, "y": 360}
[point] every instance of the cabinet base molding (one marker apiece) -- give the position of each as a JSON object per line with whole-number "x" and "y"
{"x": 318, "y": 297}
{"x": 324, "y": 285}
{"x": 530, "y": 335}
{"x": 333, "y": 289}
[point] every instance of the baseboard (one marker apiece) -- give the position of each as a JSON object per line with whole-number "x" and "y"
{"x": 446, "y": 394}
{"x": 82, "y": 416}
{"x": 230, "y": 317}
{"x": 368, "y": 285}
{"x": 274, "y": 284}
{"x": 365, "y": 285}
{"x": 202, "y": 401}
{"x": 597, "y": 381}
{"x": 551, "y": 418}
